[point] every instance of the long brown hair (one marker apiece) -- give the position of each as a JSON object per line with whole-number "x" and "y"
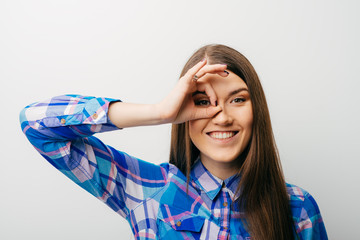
{"x": 263, "y": 192}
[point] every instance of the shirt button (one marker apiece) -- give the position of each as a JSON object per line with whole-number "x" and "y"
{"x": 63, "y": 121}
{"x": 95, "y": 116}
{"x": 225, "y": 204}
{"x": 178, "y": 223}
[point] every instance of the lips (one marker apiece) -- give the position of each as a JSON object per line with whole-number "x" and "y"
{"x": 222, "y": 134}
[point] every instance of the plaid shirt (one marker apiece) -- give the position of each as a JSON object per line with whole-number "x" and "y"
{"x": 151, "y": 197}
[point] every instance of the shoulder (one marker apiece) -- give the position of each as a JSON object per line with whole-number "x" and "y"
{"x": 301, "y": 198}
{"x": 296, "y": 193}
{"x": 173, "y": 172}
{"x": 306, "y": 213}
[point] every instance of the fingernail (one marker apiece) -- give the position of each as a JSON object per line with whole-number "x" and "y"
{"x": 223, "y": 64}
{"x": 226, "y": 72}
{"x": 203, "y": 60}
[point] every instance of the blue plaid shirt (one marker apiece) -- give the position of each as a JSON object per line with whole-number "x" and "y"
{"x": 151, "y": 197}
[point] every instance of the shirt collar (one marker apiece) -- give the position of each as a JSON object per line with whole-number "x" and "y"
{"x": 211, "y": 184}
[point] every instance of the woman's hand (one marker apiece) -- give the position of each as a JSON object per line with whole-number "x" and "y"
{"x": 179, "y": 106}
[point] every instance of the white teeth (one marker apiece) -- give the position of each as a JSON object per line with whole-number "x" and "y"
{"x": 222, "y": 135}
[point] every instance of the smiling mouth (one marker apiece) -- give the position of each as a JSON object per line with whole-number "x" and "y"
{"x": 222, "y": 134}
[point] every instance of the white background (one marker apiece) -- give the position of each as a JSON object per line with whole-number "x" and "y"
{"x": 305, "y": 52}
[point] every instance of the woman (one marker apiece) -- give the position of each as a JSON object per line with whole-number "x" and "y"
{"x": 224, "y": 179}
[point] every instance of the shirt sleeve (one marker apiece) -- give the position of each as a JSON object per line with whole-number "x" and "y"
{"x": 310, "y": 225}
{"x": 61, "y": 129}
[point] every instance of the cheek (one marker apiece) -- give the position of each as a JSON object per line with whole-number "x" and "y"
{"x": 249, "y": 119}
{"x": 248, "y": 116}
{"x": 248, "y": 124}
{"x": 244, "y": 117}
{"x": 193, "y": 128}
{"x": 196, "y": 128}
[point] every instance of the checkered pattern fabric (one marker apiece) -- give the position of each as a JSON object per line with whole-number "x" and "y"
{"x": 151, "y": 197}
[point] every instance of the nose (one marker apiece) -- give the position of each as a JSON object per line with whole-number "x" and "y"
{"x": 222, "y": 118}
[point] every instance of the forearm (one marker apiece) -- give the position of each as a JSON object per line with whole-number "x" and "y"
{"x": 125, "y": 115}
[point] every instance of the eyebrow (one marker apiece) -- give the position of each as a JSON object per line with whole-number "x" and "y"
{"x": 198, "y": 92}
{"x": 230, "y": 94}
{"x": 237, "y": 91}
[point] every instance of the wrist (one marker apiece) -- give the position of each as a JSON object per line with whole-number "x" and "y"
{"x": 161, "y": 114}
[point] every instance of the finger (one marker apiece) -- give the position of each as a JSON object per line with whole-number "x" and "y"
{"x": 215, "y": 68}
{"x": 192, "y": 71}
{"x": 208, "y": 112}
{"x": 209, "y": 91}
{"x": 223, "y": 73}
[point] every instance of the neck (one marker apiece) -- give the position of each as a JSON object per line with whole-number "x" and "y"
{"x": 220, "y": 169}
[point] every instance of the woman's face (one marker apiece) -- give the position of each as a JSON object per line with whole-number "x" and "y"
{"x": 222, "y": 138}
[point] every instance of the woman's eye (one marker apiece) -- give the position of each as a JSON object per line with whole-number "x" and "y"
{"x": 202, "y": 102}
{"x": 238, "y": 100}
